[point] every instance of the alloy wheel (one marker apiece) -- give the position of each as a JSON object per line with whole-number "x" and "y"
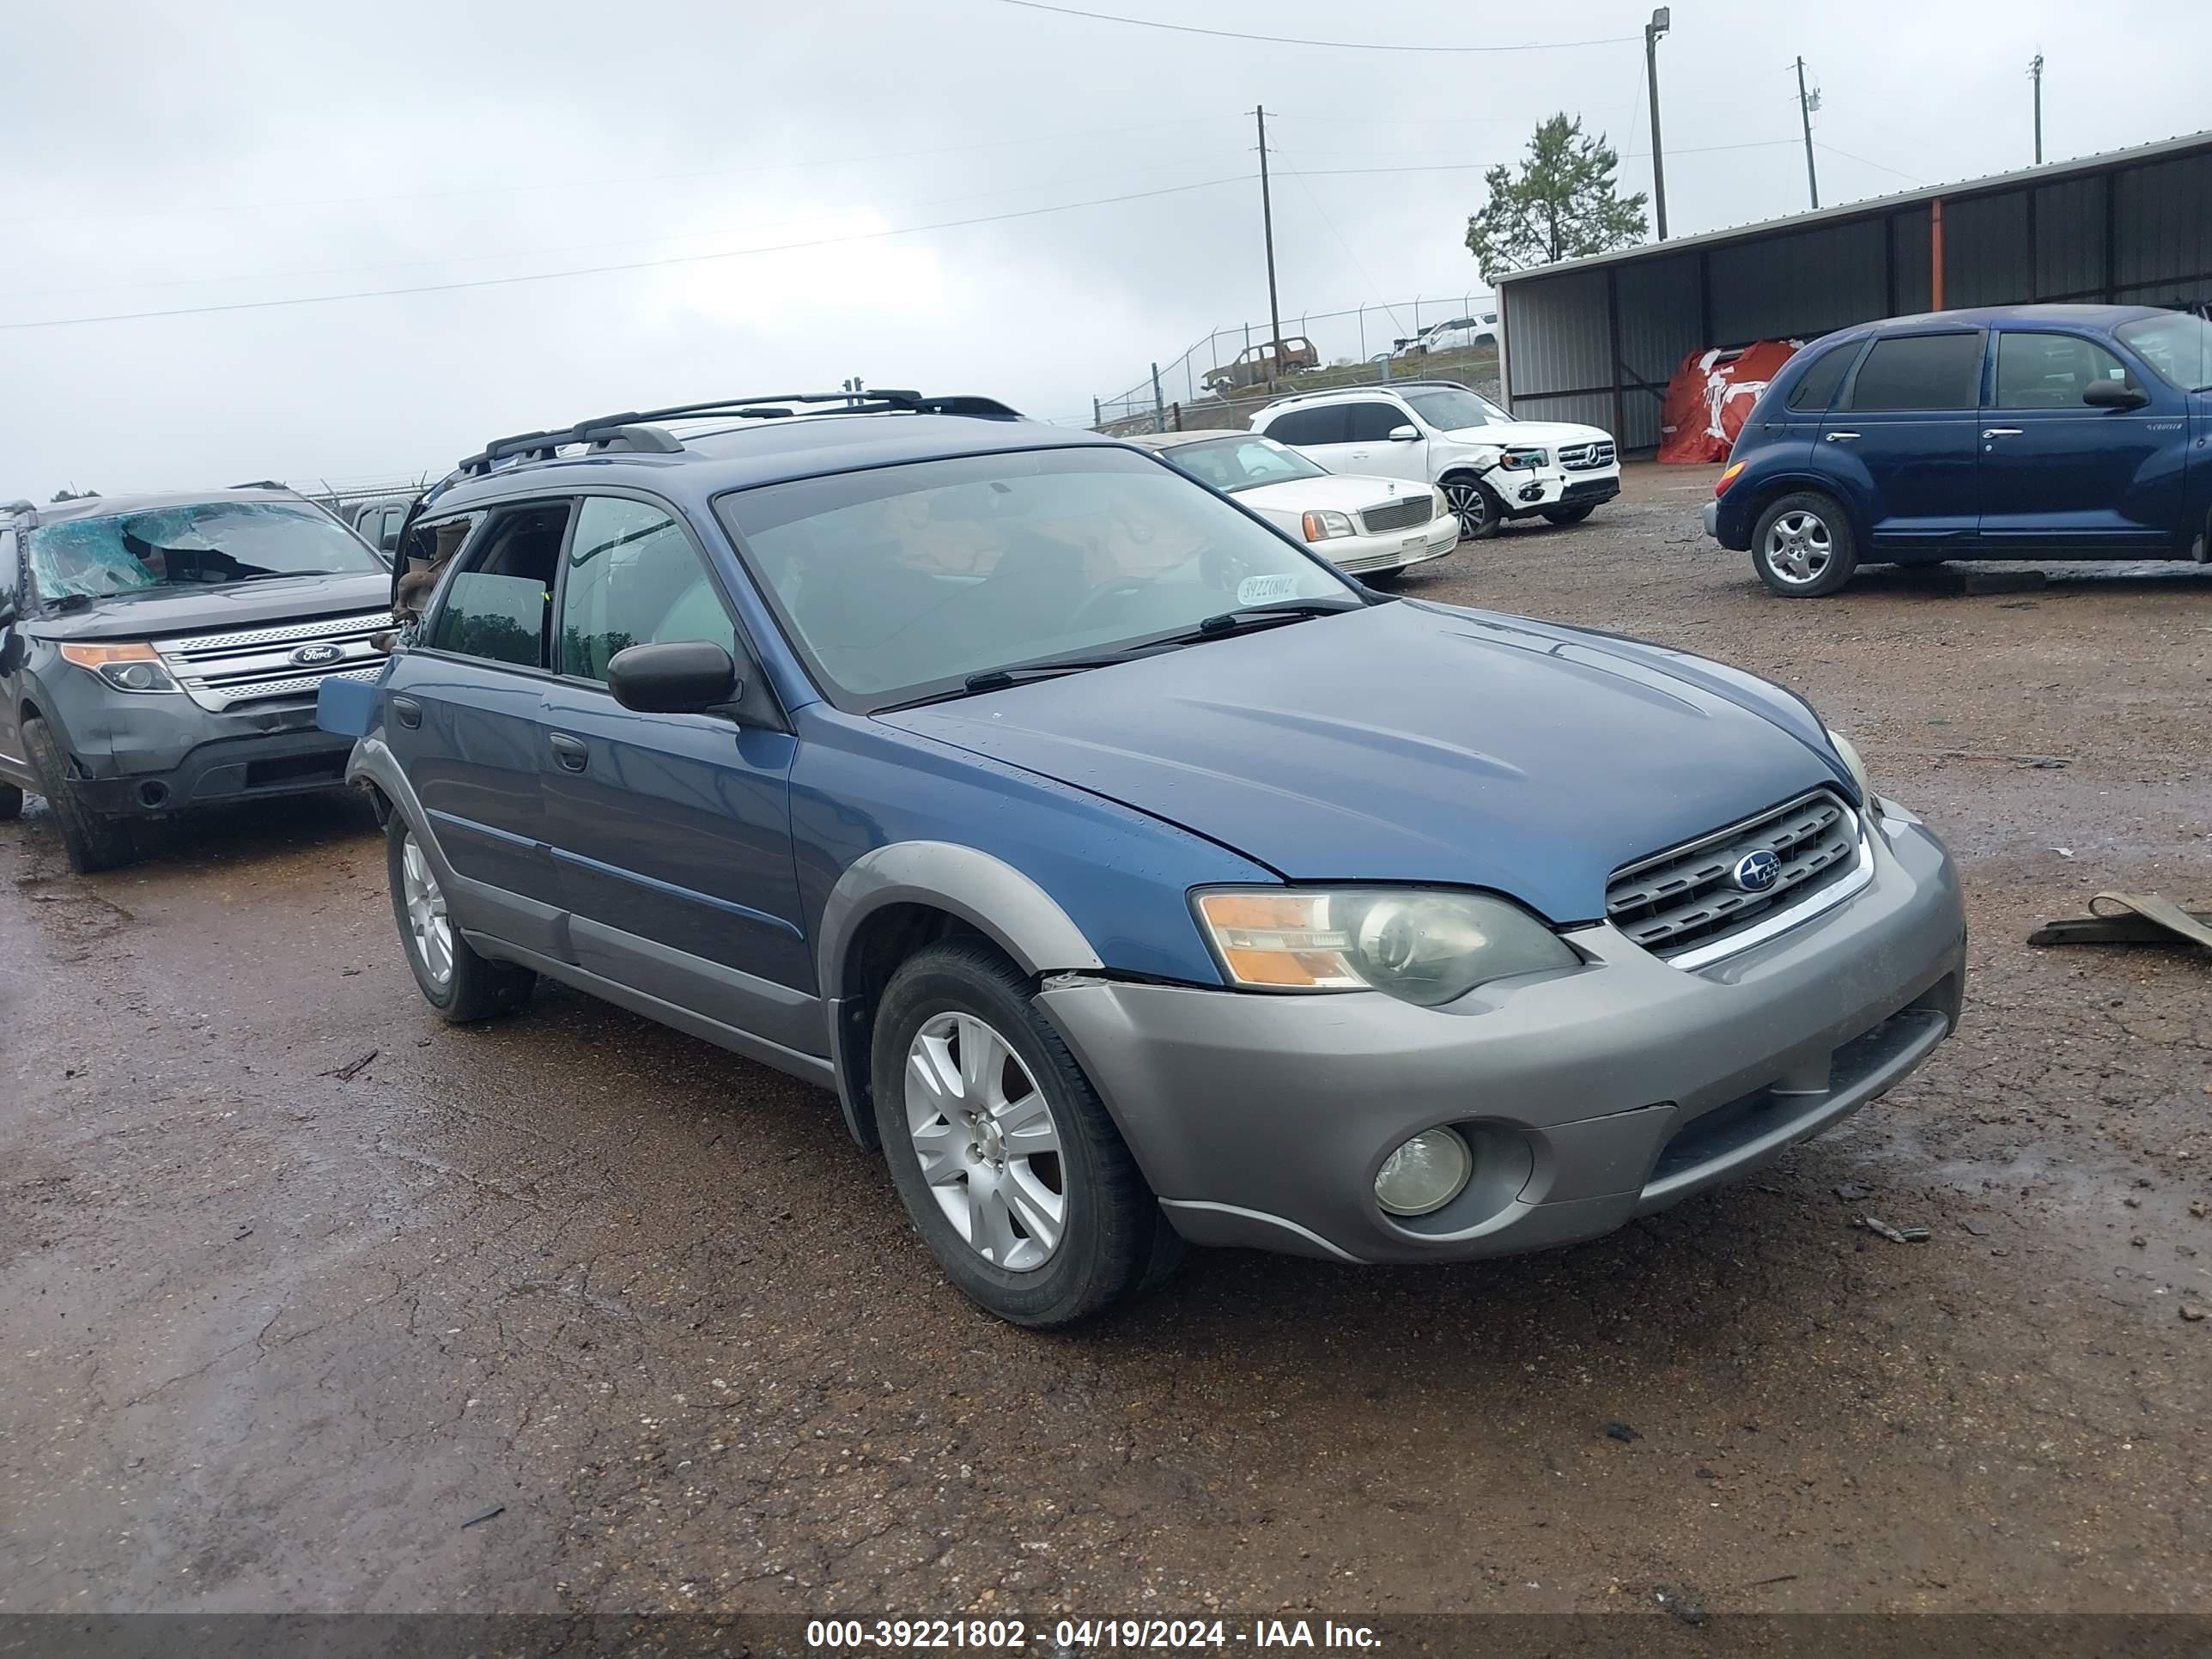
{"x": 986, "y": 1141}
{"x": 1798, "y": 548}
{"x": 1469, "y": 506}
{"x": 429, "y": 933}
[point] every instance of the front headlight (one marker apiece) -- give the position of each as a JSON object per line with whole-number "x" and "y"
{"x": 1848, "y": 754}
{"x": 135, "y": 667}
{"x": 1521, "y": 460}
{"x": 1321, "y": 527}
{"x": 1423, "y": 946}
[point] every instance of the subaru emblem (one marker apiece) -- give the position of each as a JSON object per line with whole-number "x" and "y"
{"x": 314, "y": 656}
{"x": 1756, "y": 872}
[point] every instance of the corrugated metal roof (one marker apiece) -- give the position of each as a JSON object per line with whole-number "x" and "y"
{"x": 2188, "y": 144}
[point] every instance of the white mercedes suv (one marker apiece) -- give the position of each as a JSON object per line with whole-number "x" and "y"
{"x": 1490, "y": 466}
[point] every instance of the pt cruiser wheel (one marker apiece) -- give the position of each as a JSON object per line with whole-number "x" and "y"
{"x": 1008, "y": 1164}
{"x": 1802, "y": 546}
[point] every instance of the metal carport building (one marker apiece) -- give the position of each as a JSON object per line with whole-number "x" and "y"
{"x": 1596, "y": 340}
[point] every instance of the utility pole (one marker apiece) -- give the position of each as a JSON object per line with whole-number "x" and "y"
{"x": 1267, "y": 224}
{"x": 2035, "y": 73}
{"x": 1663, "y": 19}
{"x": 1805, "y": 105}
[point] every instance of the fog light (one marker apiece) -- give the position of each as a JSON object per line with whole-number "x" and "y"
{"x": 1532, "y": 492}
{"x": 1425, "y": 1174}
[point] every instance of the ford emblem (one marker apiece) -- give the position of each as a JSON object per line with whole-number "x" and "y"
{"x": 1756, "y": 872}
{"x": 314, "y": 656}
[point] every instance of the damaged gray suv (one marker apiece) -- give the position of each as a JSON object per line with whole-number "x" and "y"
{"x": 159, "y": 653}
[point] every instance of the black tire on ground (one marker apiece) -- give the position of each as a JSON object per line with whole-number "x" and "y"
{"x": 1479, "y": 512}
{"x": 475, "y": 986}
{"x": 1802, "y": 546}
{"x": 1567, "y": 515}
{"x": 1112, "y": 1238}
{"x": 11, "y": 803}
{"x": 92, "y": 840}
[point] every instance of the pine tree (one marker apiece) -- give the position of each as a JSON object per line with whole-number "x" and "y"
{"x": 1564, "y": 203}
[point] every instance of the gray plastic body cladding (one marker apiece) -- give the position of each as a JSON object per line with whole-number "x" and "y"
{"x": 1262, "y": 1119}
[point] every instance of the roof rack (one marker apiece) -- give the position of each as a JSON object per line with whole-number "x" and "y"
{"x": 630, "y": 432}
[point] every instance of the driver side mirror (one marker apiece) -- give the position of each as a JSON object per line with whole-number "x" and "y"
{"x": 2114, "y": 394}
{"x": 683, "y": 677}
{"x": 1405, "y": 434}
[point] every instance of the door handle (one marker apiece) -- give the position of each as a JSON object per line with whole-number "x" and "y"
{"x": 569, "y": 751}
{"x": 1999, "y": 432}
{"x": 409, "y": 711}
{"x": 1840, "y": 437}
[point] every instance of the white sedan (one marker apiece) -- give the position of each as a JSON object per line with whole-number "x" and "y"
{"x": 1364, "y": 526}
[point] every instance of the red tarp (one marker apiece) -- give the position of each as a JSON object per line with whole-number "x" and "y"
{"x": 1711, "y": 394}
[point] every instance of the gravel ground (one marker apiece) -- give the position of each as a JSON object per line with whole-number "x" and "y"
{"x": 280, "y": 1326}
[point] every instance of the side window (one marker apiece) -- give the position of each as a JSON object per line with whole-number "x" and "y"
{"x": 1372, "y": 424}
{"x": 498, "y": 603}
{"x": 1920, "y": 371}
{"x": 1302, "y": 427}
{"x": 1816, "y": 388}
{"x": 2050, "y": 371}
{"x": 633, "y": 579}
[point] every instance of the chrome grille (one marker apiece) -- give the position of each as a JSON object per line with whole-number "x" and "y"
{"x": 1583, "y": 458}
{"x": 226, "y": 671}
{"x": 1403, "y": 514}
{"x": 1687, "y": 896}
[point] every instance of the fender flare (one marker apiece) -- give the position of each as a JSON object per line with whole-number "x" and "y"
{"x": 988, "y": 894}
{"x": 372, "y": 763}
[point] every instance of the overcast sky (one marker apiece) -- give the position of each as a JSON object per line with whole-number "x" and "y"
{"x": 161, "y": 158}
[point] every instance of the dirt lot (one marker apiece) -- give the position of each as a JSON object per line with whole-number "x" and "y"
{"x": 279, "y": 1326}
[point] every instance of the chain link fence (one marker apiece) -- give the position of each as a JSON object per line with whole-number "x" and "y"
{"x": 1210, "y": 386}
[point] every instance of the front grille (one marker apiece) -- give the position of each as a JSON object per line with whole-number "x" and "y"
{"x": 1687, "y": 895}
{"x": 1590, "y": 489}
{"x": 228, "y": 670}
{"x": 1403, "y": 514}
{"x": 1580, "y": 458}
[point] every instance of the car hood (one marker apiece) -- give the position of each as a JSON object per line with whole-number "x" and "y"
{"x": 1342, "y": 492}
{"x": 213, "y": 609}
{"x": 1550, "y": 433}
{"x": 1416, "y": 743}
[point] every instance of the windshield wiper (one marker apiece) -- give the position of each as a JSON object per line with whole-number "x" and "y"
{"x": 998, "y": 679}
{"x": 1255, "y": 616}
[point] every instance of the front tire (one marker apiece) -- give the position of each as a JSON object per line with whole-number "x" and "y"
{"x": 1007, "y": 1163}
{"x": 1802, "y": 546}
{"x": 1564, "y": 516}
{"x": 1479, "y": 512}
{"x": 91, "y": 841}
{"x": 461, "y": 985}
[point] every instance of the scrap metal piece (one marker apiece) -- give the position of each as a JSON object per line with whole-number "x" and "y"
{"x": 2130, "y": 919}
{"x": 1895, "y": 1235}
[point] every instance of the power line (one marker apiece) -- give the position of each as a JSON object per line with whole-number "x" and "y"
{"x": 1879, "y": 167}
{"x": 1484, "y": 166}
{"x": 601, "y": 270}
{"x": 1298, "y": 40}
{"x": 627, "y": 181}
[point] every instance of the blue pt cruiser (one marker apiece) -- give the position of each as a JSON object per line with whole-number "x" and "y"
{"x": 1133, "y": 877}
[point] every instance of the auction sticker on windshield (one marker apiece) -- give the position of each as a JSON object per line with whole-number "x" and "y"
{"x": 1266, "y": 590}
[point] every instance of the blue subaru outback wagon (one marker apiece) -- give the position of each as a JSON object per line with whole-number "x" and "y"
{"x": 1131, "y": 876}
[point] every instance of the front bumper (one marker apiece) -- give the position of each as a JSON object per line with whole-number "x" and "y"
{"x": 148, "y": 754}
{"x": 1364, "y": 555}
{"x": 1709, "y": 515}
{"x": 1589, "y": 1098}
{"x": 1525, "y": 495}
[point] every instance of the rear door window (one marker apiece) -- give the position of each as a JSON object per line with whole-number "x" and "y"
{"x": 1920, "y": 372}
{"x": 498, "y": 604}
{"x": 1307, "y": 427}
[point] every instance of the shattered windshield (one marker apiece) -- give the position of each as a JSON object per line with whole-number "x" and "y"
{"x": 207, "y": 544}
{"x": 1454, "y": 409}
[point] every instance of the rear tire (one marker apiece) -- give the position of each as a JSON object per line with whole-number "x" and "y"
{"x": 1479, "y": 512}
{"x": 1564, "y": 516}
{"x": 92, "y": 840}
{"x": 461, "y": 985}
{"x": 1023, "y": 1137}
{"x": 1802, "y": 546}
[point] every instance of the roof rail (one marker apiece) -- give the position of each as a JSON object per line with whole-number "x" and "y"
{"x": 631, "y": 432}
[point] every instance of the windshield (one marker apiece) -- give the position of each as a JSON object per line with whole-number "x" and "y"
{"x": 2178, "y": 345}
{"x": 1235, "y": 464}
{"x": 904, "y": 581}
{"x": 1452, "y": 408}
{"x": 195, "y": 545}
